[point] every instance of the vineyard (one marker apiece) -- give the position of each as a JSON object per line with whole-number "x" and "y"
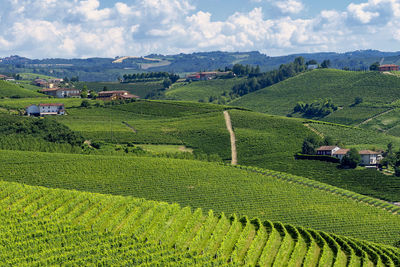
{"x": 207, "y": 186}
{"x": 57, "y": 226}
{"x": 10, "y": 90}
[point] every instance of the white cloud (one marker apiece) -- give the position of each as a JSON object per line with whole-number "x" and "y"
{"x": 72, "y": 28}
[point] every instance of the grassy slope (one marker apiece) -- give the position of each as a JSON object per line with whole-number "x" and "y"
{"x": 117, "y": 230}
{"x": 341, "y": 86}
{"x": 271, "y": 142}
{"x": 140, "y": 88}
{"x": 201, "y": 90}
{"x": 24, "y": 102}
{"x": 11, "y": 90}
{"x": 204, "y": 185}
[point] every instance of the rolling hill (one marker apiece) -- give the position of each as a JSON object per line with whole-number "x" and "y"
{"x": 377, "y": 90}
{"x": 10, "y": 90}
{"x": 59, "y": 226}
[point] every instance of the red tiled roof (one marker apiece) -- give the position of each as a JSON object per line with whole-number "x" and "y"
{"x": 389, "y": 65}
{"x": 342, "y": 151}
{"x": 54, "y": 104}
{"x": 49, "y": 90}
{"x": 326, "y": 148}
{"x": 368, "y": 152}
{"x": 112, "y": 92}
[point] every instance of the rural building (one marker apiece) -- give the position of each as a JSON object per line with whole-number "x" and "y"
{"x": 115, "y": 95}
{"x": 369, "y": 157}
{"x": 389, "y": 67}
{"x": 327, "y": 150}
{"x": 312, "y": 67}
{"x": 41, "y": 83}
{"x": 340, "y": 153}
{"x": 204, "y": 76}
{"x": 45, "y": 109}
{"x": 62, "y": 92}
{"x": 2, "y": 77}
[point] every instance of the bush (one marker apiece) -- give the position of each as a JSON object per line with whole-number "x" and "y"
{"x": 351, "y": 159}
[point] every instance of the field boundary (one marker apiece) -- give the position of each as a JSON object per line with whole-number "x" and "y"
{"x": 232, "y": 135}
{"x": 374, "y": 117}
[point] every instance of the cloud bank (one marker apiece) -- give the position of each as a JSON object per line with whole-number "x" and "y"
{"x": 73, "y": 28}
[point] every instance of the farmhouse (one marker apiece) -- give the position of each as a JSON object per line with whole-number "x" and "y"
{"x": 369, "y": 157}
{"x": 45, "y": 109}
{"x": 115, "y": 95}
{"x": 389, "y": 67}
{"x": 327, "y": 150}
{"x": 62, "y": 92}
{"x": 340, "y": 153}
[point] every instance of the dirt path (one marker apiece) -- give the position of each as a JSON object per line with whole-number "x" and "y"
{"x": 314, "y": 130}
{"x": 376, "y": 116}
{"x": 129, "y": 126}
{"x": 233, "y": 138}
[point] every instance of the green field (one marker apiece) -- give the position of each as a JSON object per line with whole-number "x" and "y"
{"x": 166, "y": 148}
{"x": 201, "y": 90}
{"x": 139, "y": 88}
{"x": 342, "y": 87}
{"x": 11, "y": 90}
{"x": 56, "y": 227}
{"x": 24, "y": 102}
{"x": 204, "y": 185}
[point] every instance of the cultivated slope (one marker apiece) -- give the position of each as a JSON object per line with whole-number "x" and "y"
{"x": 209, "y": 186}
{"x": 11, "y": 90}
{"x": 341, "y": 86}
{"x": 61, "y": 226}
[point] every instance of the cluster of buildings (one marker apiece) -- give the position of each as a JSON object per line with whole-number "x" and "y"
{"x": 389, "y": 67}
{"x": 369, "y": 158}
{"x": 116, "y": 95}
{"x": 204, "y": 76}
{"x": 6, "y": 78}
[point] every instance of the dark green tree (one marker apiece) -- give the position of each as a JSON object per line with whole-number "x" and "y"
{"x": 351, "y": 159}
{"x": 310, "y": 145}
{"x": 326, "y": 64}
{"x": 374, "y": 66}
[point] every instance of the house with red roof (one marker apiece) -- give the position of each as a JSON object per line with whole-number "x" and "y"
{"x": 389, "y": 67}
{"x": 115, "y": 95}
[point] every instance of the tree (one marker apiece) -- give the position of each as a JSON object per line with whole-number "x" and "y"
{"x": 358, "y": 100}
{"x": 328, "y": 141}
{"x": 167, "y": 83}
{"x": 85, "y": 104}
{"x": 312, "y": 62}
{"x": 326, "y": 64}
{"x": 374, "y": 66}
{"x": 351, "y": 159}
{"x": 310, "y": 145}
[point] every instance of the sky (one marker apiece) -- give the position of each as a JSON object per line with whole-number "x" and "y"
{"x": 110, "y": 28}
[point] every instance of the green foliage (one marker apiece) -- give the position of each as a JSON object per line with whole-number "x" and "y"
{"x": 351, "y": 159}
{"x": 318, "y": 108}
{"x": 326, "y": 64}
{"x": 9, "y": 90}
{"x": 85, "y": 104}
{"x": 310, "y": 145}
{"x": 374, "y": 66}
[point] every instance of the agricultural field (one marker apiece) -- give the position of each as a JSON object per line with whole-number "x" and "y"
{"x": 207, "y": 186}
{"x": 354, "y": 115}
{"x": 141, "y": 89}
{"x": 146, "y": 232}
{"x": 376, "y": 89}
{"x": 387, "y": 122}
{"x": 201, "y": 90}
{"x": 22, "y": 103}
{"x": 271, "y": 142}
{"x": 11, "y": 90}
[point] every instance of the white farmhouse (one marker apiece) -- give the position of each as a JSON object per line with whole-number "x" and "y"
{"x": 45, "y": 109}
{"x": 327, "y": 150}
{"x": 369, "y": 157}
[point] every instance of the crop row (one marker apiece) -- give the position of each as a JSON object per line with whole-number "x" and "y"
{"x": 52, "y": 226}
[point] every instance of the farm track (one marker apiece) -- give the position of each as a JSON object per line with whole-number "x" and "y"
{"x": 314, "y": 130}
{"x": 129, "y": 126}
{"x": 233, "y": 137}
{"x": 374, "y": 117}
{"x": 118, "y": 229}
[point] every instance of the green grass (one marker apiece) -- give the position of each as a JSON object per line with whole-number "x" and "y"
{"x": 12, "y": 90}
{"x": 24, "y": 102}
{"x": 341, "y": 86}
{"x": 140, "y": 88}
{"x": 58, "y": 227}
{"x": 33, "y": 76}
{"x": 201, "y": 90}
{"x": 207, "y": 186}
{"x": 354, "y": 115}
{"x": 271, "y": 142}
{"x": 166, "y": 148}
{"x": 387, "y": 122}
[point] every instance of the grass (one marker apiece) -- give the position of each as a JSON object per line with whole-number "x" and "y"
{"x": 341, "y": 86}
{"x": 58, "y": 226}
{"x": 166, "y": 148}
{"x": 204, "y": 185}
{"x": 354, "y": 115}
{"x": 11, "y": 90}
{"x": 140, "y": 88}
{"x": 33, "y": 76}
{"x": 24, "y": 102}
{"x": 201, "y": 90}
{"x": 387, "y": 122}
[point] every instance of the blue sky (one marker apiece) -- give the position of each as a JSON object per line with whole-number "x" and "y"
{"x": 109, "y": 28}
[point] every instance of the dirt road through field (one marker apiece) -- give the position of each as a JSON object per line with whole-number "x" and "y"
{"x": 233, "y": 138}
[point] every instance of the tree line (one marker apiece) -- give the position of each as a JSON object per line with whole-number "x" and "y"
{"x": 150, "y": 75}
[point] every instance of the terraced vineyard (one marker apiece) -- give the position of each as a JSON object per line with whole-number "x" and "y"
{"x": 208, "y": 186}
{"x": 12, "y": 90}
{"x": 47, "y": 226}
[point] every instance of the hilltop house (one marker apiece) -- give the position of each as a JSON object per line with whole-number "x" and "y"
{"x": 62, "y": 92}
{"x": 368, "y": 157}
{"x": 389, "y": 67}
{"x": 115, "y": 95}
{"x": 45, "y": 109}
{"x": 204, "y": 76}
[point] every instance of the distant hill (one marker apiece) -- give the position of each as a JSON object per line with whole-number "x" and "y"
{"x": 377, "y": 90}
{"x": 109, "y": 69}
{"x": 10, "y": 90}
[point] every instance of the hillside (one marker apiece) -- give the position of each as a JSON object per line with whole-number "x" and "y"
{"x": 376, "y": 89}
{"x": 59, "y": 226}
{"x": 209, "y": 186}
{"x": 201, "y": 90}
{"x": 10, "y": 90}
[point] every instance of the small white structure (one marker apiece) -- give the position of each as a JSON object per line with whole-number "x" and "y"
{"x": 369, "y": 157}
{"x": 327, "y": 150}
{"x": 62, "y": 92}
{"x": 339, "y": 154}
{"x": 312, "y": 67}
{"x": 45, "y": 109}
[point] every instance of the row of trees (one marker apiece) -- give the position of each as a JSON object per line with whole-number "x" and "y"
{"x": 150, "y": 75}
{"x": 317, "y": 108}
